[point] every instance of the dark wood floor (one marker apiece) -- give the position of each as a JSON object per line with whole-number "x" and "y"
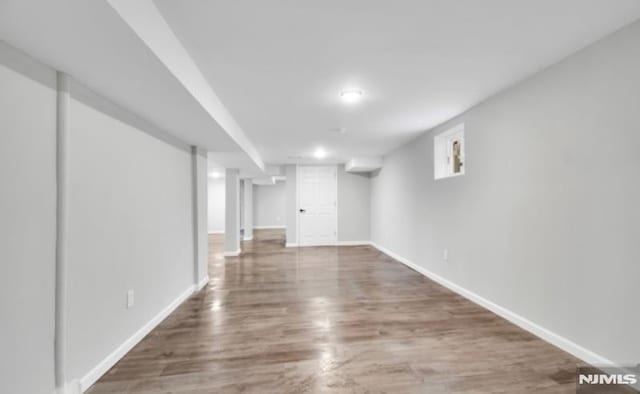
{"x": 337, "y": 320}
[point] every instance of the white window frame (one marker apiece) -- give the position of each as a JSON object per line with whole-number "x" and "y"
{"x": 443, "y": 152}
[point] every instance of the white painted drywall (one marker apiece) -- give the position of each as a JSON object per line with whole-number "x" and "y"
{"x": 354, "y": 209}
{"x": 269, "y": 205}
{"x": 241, "y": 203}
{"x": 28, "y": 223}
{"x": 130, "y": 228}
{"x": 232, "y": 211}
{"x": 216, "y": 205}
{"x": 545, "y": 222}
{"x": 247, "y": 199}
{"x": 201, "y": 176}
{"x": 291, "y": 199}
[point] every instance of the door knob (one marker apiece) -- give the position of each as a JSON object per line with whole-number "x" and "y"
{"x": 303, "y": 210}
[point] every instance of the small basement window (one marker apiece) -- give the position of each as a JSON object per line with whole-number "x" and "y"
{"x": 448, "y": 153}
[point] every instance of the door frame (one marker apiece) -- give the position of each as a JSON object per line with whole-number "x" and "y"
{"x": 299, "y": 240}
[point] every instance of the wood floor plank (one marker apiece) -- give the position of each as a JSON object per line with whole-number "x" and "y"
{"x": 343, "y": 319}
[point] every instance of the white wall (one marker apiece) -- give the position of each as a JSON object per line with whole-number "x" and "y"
{"x": 269, "y": 205}
{"x": 216, "y": 205}
{"x": 132, "y": 197}
{"x": 241, "y": 203}
{"x": 247, "y": 200}
{"x": 546, "y": 220}
{"x": 353, "y": 206}
{"x": 130, "y": 227}
{"x": 291, "y": 205}
{"x": 201, "y": 214}
{"x": 232, "y": 212}
{"x": 27, "y": 223}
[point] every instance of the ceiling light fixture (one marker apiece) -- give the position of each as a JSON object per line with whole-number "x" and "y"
{"x": 351, "y": 95}
{"x": 215, "y": 174}
{"x": 320, "y": 153}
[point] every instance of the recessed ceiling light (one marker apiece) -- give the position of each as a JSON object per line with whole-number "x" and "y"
{"x": 320, "y": 153}
{"x": 351, "y": 95}
{"x": 215, "y": 174}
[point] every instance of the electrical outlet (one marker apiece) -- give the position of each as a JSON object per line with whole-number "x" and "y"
{"x": 130, "y": 299}
{"x": 445, "y": 255}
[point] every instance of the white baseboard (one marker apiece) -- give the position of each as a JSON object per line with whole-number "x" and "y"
{"x": 268, "y": 227}
{"x": 232, "y": 254}
{"x": 537, "y": 330}
{"x": 353, "y": 243}
{"x": 247, "y": 238}
{"x": 216, "y": 232}
{"x": 339, "y": 243}
{"x": 203, "y": 282}
{"x": 115, "y": 356}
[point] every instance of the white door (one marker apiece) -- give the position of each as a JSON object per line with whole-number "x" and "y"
{"x": 317, "y": 205}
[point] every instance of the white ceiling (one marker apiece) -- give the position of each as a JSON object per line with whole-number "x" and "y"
{"x": 279, "y": 65}
{"x": 92, "y": 43}
{"x": 235, "y": 75}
